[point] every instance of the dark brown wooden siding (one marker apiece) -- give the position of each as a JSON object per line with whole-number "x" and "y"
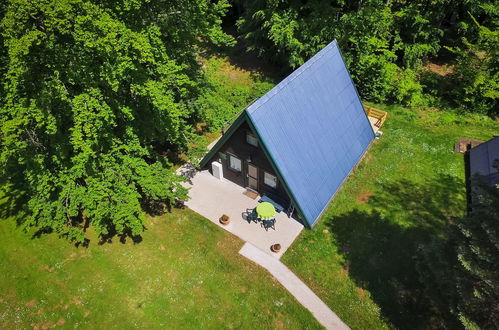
{"x": 237, "y": 146}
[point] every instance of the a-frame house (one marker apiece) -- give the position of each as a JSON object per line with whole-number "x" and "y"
{"x": 298, "y": 143}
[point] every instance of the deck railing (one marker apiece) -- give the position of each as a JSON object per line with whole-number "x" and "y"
{"x": 380, "y": 115}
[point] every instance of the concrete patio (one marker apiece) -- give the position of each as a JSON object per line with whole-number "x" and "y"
{"x": 212, "y": 197}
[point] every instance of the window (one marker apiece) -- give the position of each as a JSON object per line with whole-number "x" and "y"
{"x": 234, "y": 163}
{"x": 251, "y": 139}
{"x": 270, "y": 180}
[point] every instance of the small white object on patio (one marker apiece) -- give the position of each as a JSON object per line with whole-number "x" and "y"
{"x": 212, "y": 198}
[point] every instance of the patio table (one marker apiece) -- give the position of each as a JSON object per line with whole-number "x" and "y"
{"x": 265, "y": 211}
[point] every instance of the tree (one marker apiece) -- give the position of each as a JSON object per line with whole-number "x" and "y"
{"x": 90, "y": 88}
{"x": 290, "y": 32}
{"x": 477, "y": 251}
{"x": 476, "y": 75}
{"x": 385, "y": 43}
{"x": 459, "y": 270}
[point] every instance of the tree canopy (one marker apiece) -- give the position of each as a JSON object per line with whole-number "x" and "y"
{"x": 385, "y": 43}
{"x": 90, "y": 89}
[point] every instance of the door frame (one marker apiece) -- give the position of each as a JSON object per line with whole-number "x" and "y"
{"x": 248, "y": 164}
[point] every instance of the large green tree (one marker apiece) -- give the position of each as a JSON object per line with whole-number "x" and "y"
{"x": 90, "y": 87}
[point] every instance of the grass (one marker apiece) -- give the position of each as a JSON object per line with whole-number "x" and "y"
{"x": 186, "y": 273}
{"x": 227, "y": 90}
{"x": 361, "y": 256}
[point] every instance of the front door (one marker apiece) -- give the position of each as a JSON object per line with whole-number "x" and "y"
{"x": 252, "y": 177}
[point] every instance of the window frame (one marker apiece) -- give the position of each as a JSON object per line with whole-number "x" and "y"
{"x": 250, "y": 134}
{"x": 265, "y": 173}
{"x": 240, "y": 170}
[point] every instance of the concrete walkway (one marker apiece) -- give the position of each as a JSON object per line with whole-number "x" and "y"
{"x": 295, "y": 286}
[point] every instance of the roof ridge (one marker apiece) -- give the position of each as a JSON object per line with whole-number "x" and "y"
{"x": 292, "y": 76}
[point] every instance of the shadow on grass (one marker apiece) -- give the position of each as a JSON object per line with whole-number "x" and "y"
{"x": 112, "y": 235}
{"x": 247, "y": 60}
{"x": 12, "y": 203}
{"x": 380, "y": 244}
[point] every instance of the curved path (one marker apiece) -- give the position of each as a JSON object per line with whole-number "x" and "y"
{"x": 295, "y": 286}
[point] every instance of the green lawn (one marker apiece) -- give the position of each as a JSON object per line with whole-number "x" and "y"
{"x": 186, "y": 273}
{"x": 361, "y": 254}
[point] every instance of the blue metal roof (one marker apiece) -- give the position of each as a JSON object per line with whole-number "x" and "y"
{"x": 482, "y": 159}
{"x": 314, "y": 128}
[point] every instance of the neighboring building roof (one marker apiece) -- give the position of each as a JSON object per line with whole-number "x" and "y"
{"x": 313, "y": 128}
{"x": 482, "y": 159}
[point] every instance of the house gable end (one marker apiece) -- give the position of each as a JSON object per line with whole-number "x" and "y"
{"x": 224, "y": 138}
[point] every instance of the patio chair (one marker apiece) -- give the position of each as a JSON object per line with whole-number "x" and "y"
{"x": 268, "y": 224}
{"x": 251, "y": 215}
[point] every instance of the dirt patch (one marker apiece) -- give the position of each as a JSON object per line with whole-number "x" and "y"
{"x": 441, "y": 70}
{"x": 75, "y": 300}
{"x": 39, "y": 312}
{"x": 31, "y": 303}
{"x": 361, "y": 292}
{"x": 47, "y": 268}
{"x": 279, "y": 323}
{"x": 234, "y": 73}
{"x": 60, "y": 322}
{"x": 162, "y": 247}
{"x": 364, "y": 196}
{"x": 77, "y": 256}
{"x": 43, "y": 325}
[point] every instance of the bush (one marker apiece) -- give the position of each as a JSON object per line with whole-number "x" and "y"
{"x": 408, "y": 91}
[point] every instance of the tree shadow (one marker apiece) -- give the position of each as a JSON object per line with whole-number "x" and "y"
{"x": 12, "y": 203}
{"x": 380, "y": 244}
{"x": 242, "y": 58}
{"x": 123, "y": 238}
{"x": 42, "y": 231}
{"x": 188, "y": 171}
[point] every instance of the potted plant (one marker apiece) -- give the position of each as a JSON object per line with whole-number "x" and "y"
{"x": 275, "y": 247}
{"x": 224, "y": 219}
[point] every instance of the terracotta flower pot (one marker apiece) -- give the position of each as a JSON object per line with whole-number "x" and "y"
{"x": 275, "y": 247}
{"x": 224, "y": 220}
